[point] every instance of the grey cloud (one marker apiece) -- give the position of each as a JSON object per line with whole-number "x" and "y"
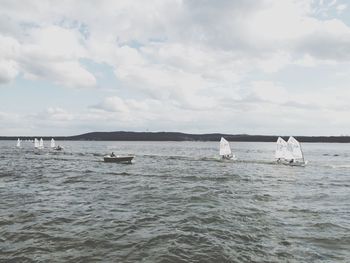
{"x": 326, "y": 46}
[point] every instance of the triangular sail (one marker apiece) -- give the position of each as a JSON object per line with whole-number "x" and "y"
{"x": 53, "y": 143}
{"x": 36, "y": 143}
{"x": 225, "y": 147}
{"x": 281, "y": 148}
{"x": 18, "y": 142}
{"x": 41, "y": 143}
{"x": 295, "y": 148}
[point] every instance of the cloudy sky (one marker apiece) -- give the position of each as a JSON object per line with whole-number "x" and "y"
{"x": 233, "y": 66}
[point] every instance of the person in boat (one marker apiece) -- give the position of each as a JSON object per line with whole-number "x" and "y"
{"x": 58, "y": 148}
{"x": 279, "y": 160}
{"x": 112, "y": 154}
{"x": 226, "y": 157}
{"x": 291, "y": 161}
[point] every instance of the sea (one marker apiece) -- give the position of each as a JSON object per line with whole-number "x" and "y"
{"x": 177, "y": 202}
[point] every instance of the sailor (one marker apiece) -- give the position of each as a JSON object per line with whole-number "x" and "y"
{"x": 291, "y": 161}
{"x": 112, "y": 154}
{"x": 227, "y": 157}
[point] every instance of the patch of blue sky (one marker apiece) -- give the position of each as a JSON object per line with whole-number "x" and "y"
{"x": 136, "y": 44}
{"x": 107, "y": 82}
{"x": 106, "y": 79}
{"x": 82, "y": 28}
{"x": 330, "y": 9}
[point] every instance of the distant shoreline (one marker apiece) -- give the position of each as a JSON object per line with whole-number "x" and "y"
{"x": 178, "y": 136}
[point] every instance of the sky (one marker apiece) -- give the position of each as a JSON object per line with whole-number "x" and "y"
{"x": 274, "y": 67}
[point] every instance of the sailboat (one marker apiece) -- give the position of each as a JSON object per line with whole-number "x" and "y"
{"x": 282, "y": 153}
{"x": 53, "y": 146}
{"x": 18, "y": 143}
{"x": 289, "y": 153}
{"x": 36, "y": 143}
{"x": 295, "y": 150}
{"x": 53, "y": 143}
{"x": 225, "y": 150}
{"x": 41, "y": 143}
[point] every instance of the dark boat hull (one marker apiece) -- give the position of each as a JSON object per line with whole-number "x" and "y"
{"x": 118, "y": 159}
{"x": 298, "y": 163}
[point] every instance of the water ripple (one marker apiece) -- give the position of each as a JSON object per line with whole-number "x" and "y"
{"x": 177, "y": 203}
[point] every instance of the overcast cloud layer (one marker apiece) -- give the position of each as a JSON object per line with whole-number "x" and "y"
{"x": 233, "y": 66}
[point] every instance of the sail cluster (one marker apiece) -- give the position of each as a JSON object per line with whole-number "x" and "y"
{"x": 290, "y": 150}
{"x": 39, "y": 144}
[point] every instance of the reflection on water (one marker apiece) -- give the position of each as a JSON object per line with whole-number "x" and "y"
{"x": 176, "y": 203}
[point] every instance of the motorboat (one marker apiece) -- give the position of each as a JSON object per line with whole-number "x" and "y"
{"x": 118, "y": 158}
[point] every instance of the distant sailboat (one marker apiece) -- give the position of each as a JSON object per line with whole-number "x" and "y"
{"x": 225, "y": 150}
{"x": 18, "y": 143}
{"x": 36, "y": 143}
{"x": 53, "y": 145}
{"x": 41, "y": 143}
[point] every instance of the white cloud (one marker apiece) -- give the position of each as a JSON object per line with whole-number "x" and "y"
{"x": 53, "y": 53}
{"x": 341, "y": 8}
{"x": 9, "y": 52}
{"x": 8, "y": 70}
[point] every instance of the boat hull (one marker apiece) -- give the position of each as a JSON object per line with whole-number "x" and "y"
{"x": 118, "y": 159}
{"x": 297, "y": 163}
{"x": 231, "y": 158}
{"x": 58, "y": 148}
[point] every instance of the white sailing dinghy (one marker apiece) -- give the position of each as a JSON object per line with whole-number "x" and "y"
{"x": 36, "y": 143}
{"x": 53, "y": 145}
{"x": 41, "y": 144}
{"x": 281, "y": 153}
{"x": 295, "y": 150}
{"x": 225, "y": 150}
{"x": 18, "y": 143}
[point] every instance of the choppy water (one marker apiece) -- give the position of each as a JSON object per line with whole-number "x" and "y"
{"x": 175, "y": 203}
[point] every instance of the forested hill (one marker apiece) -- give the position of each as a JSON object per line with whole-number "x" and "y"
{"x": 177, "y": 136}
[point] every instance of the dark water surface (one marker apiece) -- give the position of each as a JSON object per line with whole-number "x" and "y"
{"x": 175, "y": 203}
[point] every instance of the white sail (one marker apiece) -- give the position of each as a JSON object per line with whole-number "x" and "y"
{"x": 18, "y": 142}
{"x": 36, "y": 143}
{"x": 295, "y": 148}
{"x": 225, "y": 147}
{"x": 41, "y": 143}
{"x": 281, "y": 148}
{"x": 53, "y": 143}
{"x": 288, "y": 155}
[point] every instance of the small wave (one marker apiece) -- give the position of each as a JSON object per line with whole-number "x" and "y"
{"x": 7, "y": 174}
{"x": 335, "y": 166}
{"x": 328, "y": 225}
{"x": 123, "y": 173}
{"x": 330, "y": 154}
{"x": 179, "y": 157}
